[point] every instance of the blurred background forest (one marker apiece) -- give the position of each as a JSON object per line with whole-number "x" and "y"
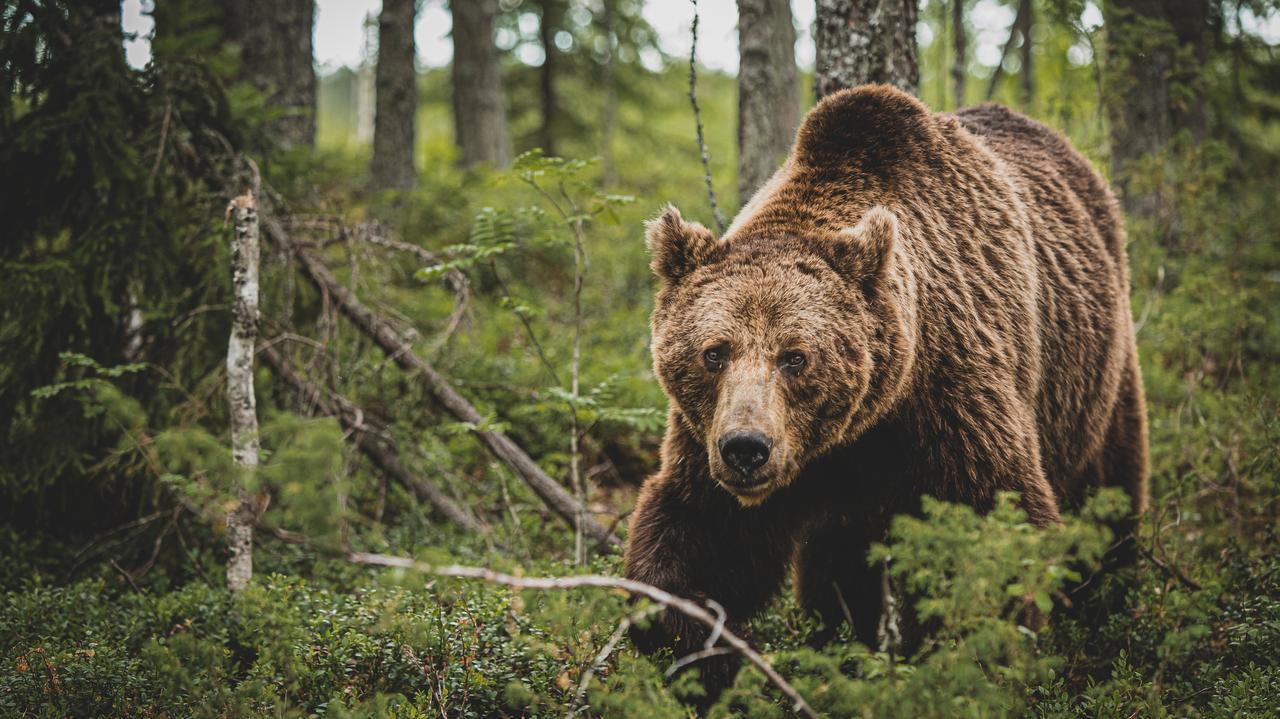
{"x": 452, "y": 357}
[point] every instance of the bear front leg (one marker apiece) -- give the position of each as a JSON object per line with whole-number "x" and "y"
{"x": 691, "y": 538}
{"x": 834, "y": 580}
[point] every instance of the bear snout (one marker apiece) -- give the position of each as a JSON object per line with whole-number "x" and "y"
{"x": 745, "y": 451}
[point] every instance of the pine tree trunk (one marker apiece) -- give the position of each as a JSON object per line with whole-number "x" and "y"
{"x": 1155, "y": 50}
{"x": 479, "y": 108}
{"x": 276, "y": 57}
{"x": 548, "y": 24}
{"x": 768, "y": 101}
{"x": 240, "y": 396}
{"x": 866, "y": 41}
{"x": 959, "y": 44}
{"x": 395, "y": 99}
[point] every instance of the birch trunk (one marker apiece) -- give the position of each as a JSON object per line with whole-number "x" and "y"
{"x": 866, "y": 41}
{"x": 768, "y": 101}
{"x": 240, "y": 396}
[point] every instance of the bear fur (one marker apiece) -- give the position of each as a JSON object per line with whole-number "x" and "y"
{"x": 916, "y": 303}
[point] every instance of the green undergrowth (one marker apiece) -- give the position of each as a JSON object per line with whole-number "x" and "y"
{"x": 400, "y": 643}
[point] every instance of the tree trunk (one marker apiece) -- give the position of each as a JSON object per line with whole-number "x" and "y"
{"x": 1155, "y": 50}
{"x": 395, "y": 98}
{"x": 609, "y": 80}
{"x": 768, "y": 101}
{"x": 240, "y": 397}
{"x": 479, "y": 108}
{"x": 865, "y": 41}
{"x": 548, "y": 24}
{"x": 1014, "y": 31}
{"x": 276, "y": 57}
{"x": 959, "y": 42}
{"x": 1028, "y": 67}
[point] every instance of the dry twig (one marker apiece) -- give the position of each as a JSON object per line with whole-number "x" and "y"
{"x": 697, "y": 119}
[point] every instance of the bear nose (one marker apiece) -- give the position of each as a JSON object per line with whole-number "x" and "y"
{"x": 745, "y": 450}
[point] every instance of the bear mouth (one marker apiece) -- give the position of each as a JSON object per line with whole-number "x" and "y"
{"x": 747, "y": 489}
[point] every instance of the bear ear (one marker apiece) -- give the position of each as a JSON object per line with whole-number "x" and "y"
{"x": 677, "y": 247}
{"x": 866, "y": 250}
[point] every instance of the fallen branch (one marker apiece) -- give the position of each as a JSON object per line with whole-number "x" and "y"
{"x": 400, "y": 351}
{"x": 373, "y": 233}
{"x": 685, "y": 606}
{"x": 365, "y": 437}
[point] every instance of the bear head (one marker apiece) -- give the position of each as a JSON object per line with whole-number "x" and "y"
{"x": 773, "y": 348}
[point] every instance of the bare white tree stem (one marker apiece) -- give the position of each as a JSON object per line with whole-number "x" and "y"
{"x": 243, "y": 211}
{"x": 687, "y": 607}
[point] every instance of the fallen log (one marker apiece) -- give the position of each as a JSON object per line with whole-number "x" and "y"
{"x": 365, "y": 437}
{"x": 499, "y": 444}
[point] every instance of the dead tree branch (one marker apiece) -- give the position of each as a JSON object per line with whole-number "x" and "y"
{"x": 687, "y": 607}
{"x": 365, "y": 435}
{"x": 400, "y": 351}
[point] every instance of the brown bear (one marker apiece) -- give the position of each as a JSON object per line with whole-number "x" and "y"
{"x": 915, "y": 304}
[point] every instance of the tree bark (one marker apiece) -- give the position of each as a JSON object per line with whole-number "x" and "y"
{"x": 1027, "y": 13}
{"x": 1014, "y": 31}
{"x": 365, "y": 435}
{"x": 240, "y": 397}
{"x": 959, "y": 44}
{"x": 276, "y": 57}
{"x": 395, "y": 99}
{"x": 768, "y": 101}
{"x": 866, "y": 41}
{"x": 499, "y": 444}
{"x": 548, "y": 24}
{"x": 609, "y": 81}
{"x": 1155, "y": 50}
{"x": 479, "y": 107}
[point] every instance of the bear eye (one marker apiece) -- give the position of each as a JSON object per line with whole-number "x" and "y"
{"x": 715, "y": 357}
{"x": 793, "y": 362}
